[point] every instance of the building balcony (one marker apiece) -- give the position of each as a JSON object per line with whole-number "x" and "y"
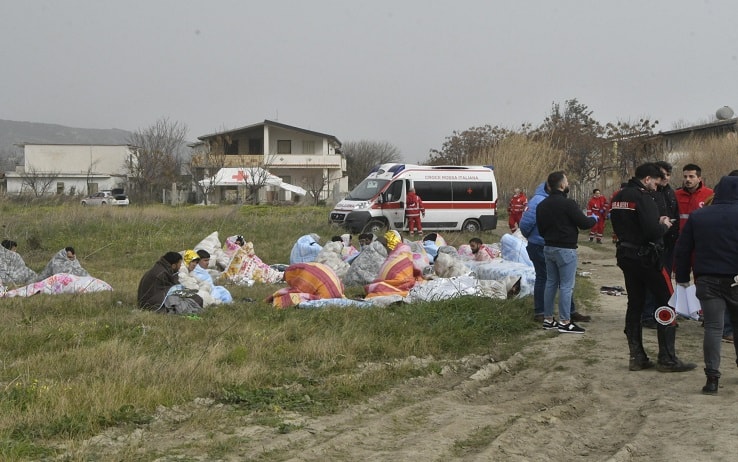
{"x": 287, "y": 161}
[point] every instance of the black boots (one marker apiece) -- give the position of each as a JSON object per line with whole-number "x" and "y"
{"x": 638, "y": 358}
{"x": 711, "y": 387}
{"x": 668, "y": 361}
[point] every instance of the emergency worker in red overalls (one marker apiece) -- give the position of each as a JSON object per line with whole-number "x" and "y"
{"x": 516, "y": 207}
{"x": 413, "y": 210}
{"x": 597, "y": 205}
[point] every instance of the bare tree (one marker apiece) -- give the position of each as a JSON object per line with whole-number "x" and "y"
{"x": 38, "y": 182}
{"x": 154, "y": 163}
{"x": 315, "y": 185}
{"x": 207, "y": 162}
{"x": 257, "y": 175}
{"x": 632, "y": 143}
{"x": 573, "y": 130}
{"x": 91, "y": 177}
{"x": 362, "y": 156}
{"x": 461, "y": 147}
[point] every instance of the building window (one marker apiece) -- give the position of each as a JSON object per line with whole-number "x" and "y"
{"x": 60, "y": 187}
{"x": 308, "y": 147}
{"x": 284, "y": 146}
{"x": 256, "y": 146}
{"x": 231, "y": 149}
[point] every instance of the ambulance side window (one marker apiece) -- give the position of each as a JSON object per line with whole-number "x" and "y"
{"x": 394, "y": 192}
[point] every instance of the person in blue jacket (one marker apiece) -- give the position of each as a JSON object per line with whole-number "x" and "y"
{"x": 535, "y": 251}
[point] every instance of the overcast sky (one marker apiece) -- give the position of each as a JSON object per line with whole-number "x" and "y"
{"x": 408, "y": 72}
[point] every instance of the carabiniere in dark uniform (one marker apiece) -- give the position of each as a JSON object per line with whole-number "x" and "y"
{"x": 640, "y": 230}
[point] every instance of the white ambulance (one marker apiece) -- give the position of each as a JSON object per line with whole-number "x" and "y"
{"x": 454, "y": 197}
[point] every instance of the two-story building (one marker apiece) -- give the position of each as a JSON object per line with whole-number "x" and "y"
{"x": 306, "y": 158}
{"x": 69, "y": 169}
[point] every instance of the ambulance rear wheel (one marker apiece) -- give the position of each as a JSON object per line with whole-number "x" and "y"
{"x": 376, "y": 227}
{"x": 471, "y": 226}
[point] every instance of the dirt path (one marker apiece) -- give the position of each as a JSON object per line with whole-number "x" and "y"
{"x": 566, "y": 397}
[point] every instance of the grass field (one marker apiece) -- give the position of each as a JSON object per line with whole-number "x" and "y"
{"x": 75, "y": 365}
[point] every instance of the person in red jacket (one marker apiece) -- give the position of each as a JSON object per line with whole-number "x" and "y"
{"x": 692, "y": 195}
{"x": 413, "y": 210}
{"x": 597, "y": 205}
{"x": 516, "y": 207}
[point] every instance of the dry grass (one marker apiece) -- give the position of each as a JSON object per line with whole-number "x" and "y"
{"x": 73, "y": 366}
{"x": 717, "y": 156}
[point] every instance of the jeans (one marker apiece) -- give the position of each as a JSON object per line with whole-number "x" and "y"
{"x": 716, "y": 298}
{"x": 561, "y": 268}
{"x": 535, "y": 252}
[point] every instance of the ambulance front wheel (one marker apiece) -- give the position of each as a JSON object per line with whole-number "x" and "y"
{"x": 376, "y": 227}
{"x": 471, "y": 226}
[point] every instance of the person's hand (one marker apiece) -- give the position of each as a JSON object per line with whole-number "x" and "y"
{"x": 423, "y": 213}
{"x": 664, "y": 220}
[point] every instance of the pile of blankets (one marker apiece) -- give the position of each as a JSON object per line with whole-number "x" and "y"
{"x": 403, "y": 271}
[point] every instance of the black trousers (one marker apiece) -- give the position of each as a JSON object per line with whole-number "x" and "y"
{"x": 641, "y": 276}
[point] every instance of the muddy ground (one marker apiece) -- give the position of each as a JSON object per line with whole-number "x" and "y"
{"x": 565, "y": 397}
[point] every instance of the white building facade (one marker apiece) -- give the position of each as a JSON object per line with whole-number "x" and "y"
{"x": 72, "y": 169}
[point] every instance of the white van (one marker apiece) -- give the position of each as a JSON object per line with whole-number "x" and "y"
{"x": 454, "y": 197}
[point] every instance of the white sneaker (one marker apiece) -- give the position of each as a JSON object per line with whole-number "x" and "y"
{"x": 570, "y": 328}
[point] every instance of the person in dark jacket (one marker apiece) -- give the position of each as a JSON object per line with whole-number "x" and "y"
{"x": 711, "y": 235}
{"x": 640, "y": 228}
{"x": 154, "y": 285}
{"x": 535, "y": 246}
{"x": 559, "y": 220}
{"x": 667, "y": 203}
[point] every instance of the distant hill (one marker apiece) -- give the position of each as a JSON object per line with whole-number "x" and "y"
{"x": 12, "y": 133}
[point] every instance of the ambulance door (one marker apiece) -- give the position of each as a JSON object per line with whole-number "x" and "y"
{"x": 394, "y": 204}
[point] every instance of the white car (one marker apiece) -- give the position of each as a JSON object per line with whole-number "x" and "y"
{"x": 106, "y": 198}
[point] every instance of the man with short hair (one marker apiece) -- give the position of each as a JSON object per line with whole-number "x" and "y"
{"x": 479, "y": 251}
{"x": 155, "y": 284}
{"x": 693, "y": 193}
{"x": 708, "y": 246}
{"x": 640, "y": 228}
{"x": 219, "y": 293}
{"x": 559, "y": 220}
{"x": 529, "y": 228}
{"x": 668, "y": 206}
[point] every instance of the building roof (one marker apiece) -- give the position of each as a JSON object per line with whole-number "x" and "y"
{"x": 697, "y": 128}
{"x": 29, "y": 143}
{"x": 273, "y": 124}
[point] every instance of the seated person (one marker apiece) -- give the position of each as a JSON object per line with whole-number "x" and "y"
{"x": 365, "y": 239}
{"x": 189, "y": 281}
{"x": 220, "y": 293}
{"x": 157, "y": 283}
{"x": 65, "y": 261}
{"x": 347, "y": 249}
{"x": 13, "y": 270}
{"x": 479, "y": 251}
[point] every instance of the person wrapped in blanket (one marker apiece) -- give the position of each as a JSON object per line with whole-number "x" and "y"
{"x": 191, "y": 282}
{"x": 159, "y": 289}
{"x": 64, "y": 261}
{"x": 219, "y": 293}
